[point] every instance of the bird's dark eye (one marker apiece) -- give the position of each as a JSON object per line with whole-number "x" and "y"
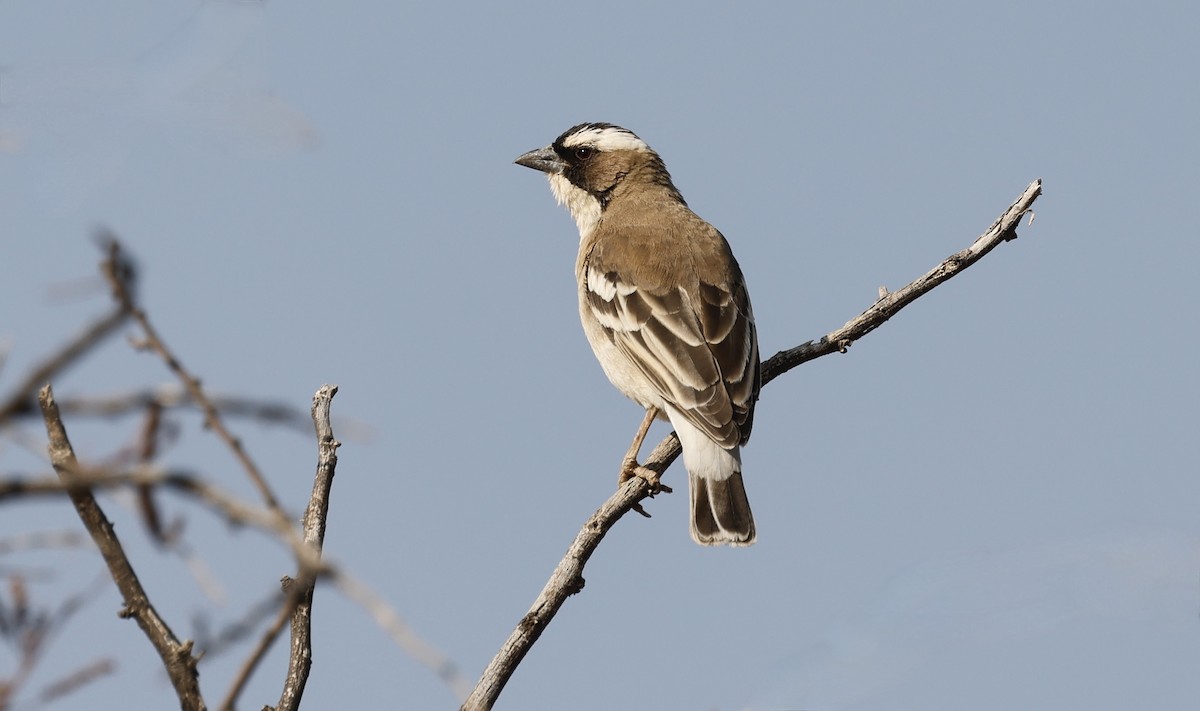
{"x": 584, "y": 152}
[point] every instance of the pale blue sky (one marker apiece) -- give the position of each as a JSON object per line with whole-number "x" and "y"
{"x": 988, "y": 504}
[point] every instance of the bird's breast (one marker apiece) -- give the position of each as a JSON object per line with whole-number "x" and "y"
{"x": 621, "y": 371}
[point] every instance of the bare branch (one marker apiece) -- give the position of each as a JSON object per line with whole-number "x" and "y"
{"x": 318, "y": 504}
{"x": 567, "y": 578}
{"x": 300, "y": 659}
{"x": 1004, "y": 229}
{"x": 177, "y": 657}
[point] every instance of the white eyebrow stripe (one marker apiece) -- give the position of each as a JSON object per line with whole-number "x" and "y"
{"x": 609, "y": 138}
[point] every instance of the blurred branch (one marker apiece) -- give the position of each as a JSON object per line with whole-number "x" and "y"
{"x": 567, "y": 578}
{"x": 31, "y": 630}
{"x": 265, "y": 642}
{"x": 123, "y": 294}
{"x": 226, "y": 505}
{"x": 239, "y": 513}
{"x": 147, "y": 448}
{"x": 174, "y": 397}
{"x": 177, "y": 657}
{"x": 41, "y": 539}
{"x": 135, "y": 468}
{"x": 214, "y": 643}
{"x": 77, "y": 679}
{"x": 171, "y": 397}
{"x": 21, "y": 400}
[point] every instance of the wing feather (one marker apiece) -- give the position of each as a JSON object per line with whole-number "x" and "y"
{"x": 694, "y": 342}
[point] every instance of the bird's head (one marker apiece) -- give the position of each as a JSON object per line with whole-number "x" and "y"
{"x": 592, "y": 164}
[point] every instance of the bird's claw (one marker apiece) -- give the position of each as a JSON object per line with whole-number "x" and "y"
{"x": 630, "y": 469}
{"x": 652, "y": 478}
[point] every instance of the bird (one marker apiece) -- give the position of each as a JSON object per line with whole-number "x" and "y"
{"x": 664, "y": 306}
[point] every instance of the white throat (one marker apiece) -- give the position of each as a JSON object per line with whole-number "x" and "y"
{"x": 584, "y": 207}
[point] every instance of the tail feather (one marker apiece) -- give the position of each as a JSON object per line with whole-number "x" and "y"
{"x": 720, "y": 511}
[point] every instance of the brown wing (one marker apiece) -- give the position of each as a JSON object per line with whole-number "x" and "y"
{"x": 695, "y": 342}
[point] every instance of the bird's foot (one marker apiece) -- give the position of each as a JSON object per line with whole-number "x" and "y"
{"x": 631, "y": 469}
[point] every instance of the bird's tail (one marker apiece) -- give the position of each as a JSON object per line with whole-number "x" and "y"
{"x": 720, "y": 511}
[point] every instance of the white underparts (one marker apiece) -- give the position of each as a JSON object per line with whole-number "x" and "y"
{"x": 584, "y": 207}
{"x": 702, "y": 456}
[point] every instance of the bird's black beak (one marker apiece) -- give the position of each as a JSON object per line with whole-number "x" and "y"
{"x": 543, "y": 159}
